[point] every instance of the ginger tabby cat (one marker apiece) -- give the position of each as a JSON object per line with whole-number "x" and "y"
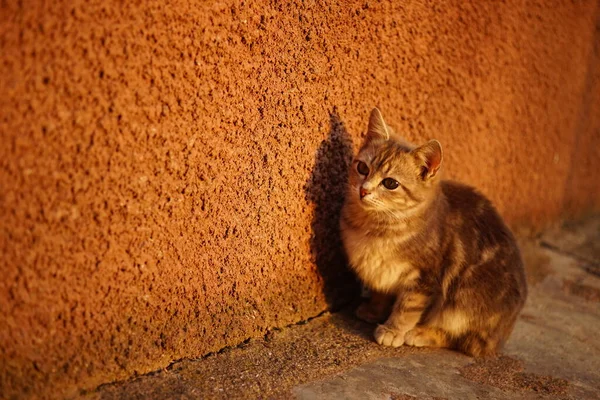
{"x": 443, "y": 268}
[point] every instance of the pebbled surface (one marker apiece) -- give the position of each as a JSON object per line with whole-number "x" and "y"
{"x": 553, "y": 352}
{"x": 171, "y": 175}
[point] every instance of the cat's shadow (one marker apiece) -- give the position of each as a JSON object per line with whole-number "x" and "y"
{"x": 326, "y": 189}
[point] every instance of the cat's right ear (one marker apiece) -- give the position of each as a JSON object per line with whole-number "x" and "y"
{"x": 377, "y": 127}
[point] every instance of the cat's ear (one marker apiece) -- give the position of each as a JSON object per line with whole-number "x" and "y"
{"x": 429, "y": 158}
{"x": 377, "y": 127}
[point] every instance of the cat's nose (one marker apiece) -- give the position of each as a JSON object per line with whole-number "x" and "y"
{"x": 363, "y": 192}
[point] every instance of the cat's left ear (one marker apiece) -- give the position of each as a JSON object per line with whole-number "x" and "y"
{"x": 429, "y": 157}
{"x": 377, "y": 126}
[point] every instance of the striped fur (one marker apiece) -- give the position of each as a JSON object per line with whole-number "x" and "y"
{"x": 444, "y": 269}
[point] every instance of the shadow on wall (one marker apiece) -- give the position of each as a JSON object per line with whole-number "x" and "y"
{"x": 326, "y": 189}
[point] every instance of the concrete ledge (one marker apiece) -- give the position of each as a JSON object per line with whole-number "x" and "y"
{"x": 554, "y": 351}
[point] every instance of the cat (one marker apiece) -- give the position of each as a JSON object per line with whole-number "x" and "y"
{"x": 442, "y": 267}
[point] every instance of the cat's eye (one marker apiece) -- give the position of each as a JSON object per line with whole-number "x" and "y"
{"x": 390, "y": 183}
{"x": 362, "y": 168}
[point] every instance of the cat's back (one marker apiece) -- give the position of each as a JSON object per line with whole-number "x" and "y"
{"x": 485, "y": 257}
{"x": 486, "y": 244}
{"x": 470, "y": 213}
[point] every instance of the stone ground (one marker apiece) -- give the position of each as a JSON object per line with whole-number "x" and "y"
{"x": 554, "y": 352}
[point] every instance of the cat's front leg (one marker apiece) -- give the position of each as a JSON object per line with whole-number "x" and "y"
{"x": 406, "y": 313}
{"x": 377, "y": 308}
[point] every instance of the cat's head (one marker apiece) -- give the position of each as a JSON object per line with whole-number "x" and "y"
{"x": 391, "y": 175}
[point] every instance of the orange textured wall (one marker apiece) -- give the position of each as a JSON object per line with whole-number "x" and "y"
{"x": 171, "y": 175}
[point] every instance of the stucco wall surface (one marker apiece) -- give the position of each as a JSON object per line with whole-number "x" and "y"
{"x": 171, "y": 174}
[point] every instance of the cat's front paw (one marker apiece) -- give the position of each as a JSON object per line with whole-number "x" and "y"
{"x": 426, "y": 337}
{"x": 387, "y": 336}
{"x": 417, "y": 338}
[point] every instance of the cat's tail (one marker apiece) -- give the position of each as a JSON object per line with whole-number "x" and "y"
{"x": 477, "y": 345}
{"x": 484, "y": 344}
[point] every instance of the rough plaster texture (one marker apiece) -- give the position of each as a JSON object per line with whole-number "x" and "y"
{"x": 553, "y": 353}
{"x": 171, "y": 174}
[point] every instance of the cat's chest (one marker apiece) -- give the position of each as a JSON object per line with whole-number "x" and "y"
{"x": 376, "y": 260}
